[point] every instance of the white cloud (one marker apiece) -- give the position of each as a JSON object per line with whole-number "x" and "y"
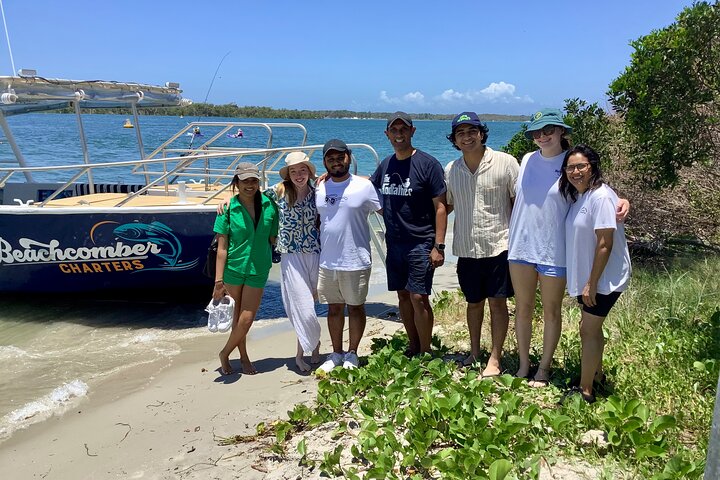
{"x": 502, "y": 89}
{"x": 496, "y": 92}
{"x": 416, "y": 98}
{"x": 451, "y": 95}
{"x": 493, "y": 94}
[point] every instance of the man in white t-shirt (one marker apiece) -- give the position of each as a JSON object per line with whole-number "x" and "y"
{"x": 344, "y": 202}
{"x": 481, "y": 191}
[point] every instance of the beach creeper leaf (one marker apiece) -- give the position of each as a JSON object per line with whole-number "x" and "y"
{"x": 650, "y": 451}
{"x": 507, "y": 381}
{"x": 367, "y": 409}
{"x": 614, "y": 404}
{"x": 699, "y": 366}
{"x": 454, "y": 400}
{"x": 632, "y": 424}
{"x": 302, "y": 448}
{"x": 558, "y": 422}
{"x": 471, "y": 462}
{"x": 499, "y": 469}
{"x": 662, "y": 423}
{"x": 643, "y": 412}
{"x": 631, "y": 406}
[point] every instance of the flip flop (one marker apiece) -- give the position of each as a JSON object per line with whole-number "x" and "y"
{"x": 469, "y": 361}
{"x": 589, "y": 399}
{"x": 535, "y": 383}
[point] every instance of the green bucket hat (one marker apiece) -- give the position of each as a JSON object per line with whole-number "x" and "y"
{"x": 548, "y": 116}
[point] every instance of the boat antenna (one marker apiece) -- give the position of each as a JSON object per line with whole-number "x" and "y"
{"x": 208, "y": 90}
{"x": 7, "y": 36}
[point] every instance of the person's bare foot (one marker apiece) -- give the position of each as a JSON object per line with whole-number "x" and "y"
{"x": 225, "y": 367}
{"x": 492, "y": 369}
{"x": 315, "y": 358}
{"x": 302, "y": 366}
{"x": 248, "y": 367}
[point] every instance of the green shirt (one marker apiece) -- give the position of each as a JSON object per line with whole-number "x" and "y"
{"x": 249, "y": 249}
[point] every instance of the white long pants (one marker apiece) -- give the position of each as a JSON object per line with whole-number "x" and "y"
{"x": 299, "y": 290}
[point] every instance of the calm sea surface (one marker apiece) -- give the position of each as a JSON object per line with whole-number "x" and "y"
{"x": 56, "y": 351}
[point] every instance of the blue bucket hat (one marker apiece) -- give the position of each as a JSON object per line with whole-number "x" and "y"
{"x": 548, "y": 116}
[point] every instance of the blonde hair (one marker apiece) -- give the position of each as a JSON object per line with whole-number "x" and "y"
{"x": 287, "y": 188}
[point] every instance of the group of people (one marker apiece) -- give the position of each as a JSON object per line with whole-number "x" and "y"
{"x": 551, "y": 220}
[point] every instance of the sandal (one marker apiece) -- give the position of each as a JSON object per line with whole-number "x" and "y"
{"x": 540, "y": 383}
{"x": 589, "y": 399}
{"x": 469, "y": 361}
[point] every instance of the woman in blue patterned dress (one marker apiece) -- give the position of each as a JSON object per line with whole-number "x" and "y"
{"x": 299, "y": 244}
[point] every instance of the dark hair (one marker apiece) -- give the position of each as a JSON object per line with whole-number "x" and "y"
{"x": 483, "y": 132}
{"x": 235, "y": 183}
{"x": 566, "y": 188}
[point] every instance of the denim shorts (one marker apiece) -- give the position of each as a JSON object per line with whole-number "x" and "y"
{"x": 545, "y": 270}
{"x": 408, "y": 267}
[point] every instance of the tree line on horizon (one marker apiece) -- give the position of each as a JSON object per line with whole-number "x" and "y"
{"x": 231, "y": 110}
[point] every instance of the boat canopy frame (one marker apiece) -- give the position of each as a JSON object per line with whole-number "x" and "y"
{"x": 27, "y": 94}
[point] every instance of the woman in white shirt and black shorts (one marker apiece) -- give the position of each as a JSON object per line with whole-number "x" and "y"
{"x": 597, "y": 257}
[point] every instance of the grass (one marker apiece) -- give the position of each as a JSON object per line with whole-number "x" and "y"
{"x": 427, "y": 418}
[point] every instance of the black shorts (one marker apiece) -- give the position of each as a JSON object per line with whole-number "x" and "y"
{"x": 408, "y": 267}
{"x": 603, "y": 304}
{"x": 482, "y": 278}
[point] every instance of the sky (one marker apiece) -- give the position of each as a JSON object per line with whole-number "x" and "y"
{"x": 505, "y": 57}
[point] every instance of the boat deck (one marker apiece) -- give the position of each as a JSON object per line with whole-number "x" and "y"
{"x": 196, "y": 194}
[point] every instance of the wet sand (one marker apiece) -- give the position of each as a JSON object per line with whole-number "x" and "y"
{"x": 168, "y": 426}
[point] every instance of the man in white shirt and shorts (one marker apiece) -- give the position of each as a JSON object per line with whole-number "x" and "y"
{"x": 344, "y": 202}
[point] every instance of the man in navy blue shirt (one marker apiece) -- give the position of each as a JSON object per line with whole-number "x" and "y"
{"x": 412, "y": 188}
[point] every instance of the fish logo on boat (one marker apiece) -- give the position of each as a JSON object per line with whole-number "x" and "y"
{"x": 155, "y": 232}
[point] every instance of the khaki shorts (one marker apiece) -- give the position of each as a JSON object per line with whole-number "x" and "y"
{"x": 339, "y": 286}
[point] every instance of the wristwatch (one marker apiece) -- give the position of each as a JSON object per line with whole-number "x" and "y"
{"x": 440, "y": 247}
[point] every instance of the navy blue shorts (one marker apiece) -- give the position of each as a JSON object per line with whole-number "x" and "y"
{"x": 603, "y": 304}
{"x": 482, "y": 278}
{"x": 408, "y": 267}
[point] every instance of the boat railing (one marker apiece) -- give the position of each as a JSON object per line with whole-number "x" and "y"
{"x": 220, "y": 131}
{"x": 213, "y": 168}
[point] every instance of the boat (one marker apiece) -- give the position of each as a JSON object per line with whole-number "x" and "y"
{"x": 150, "y": 227}
{"x": 128, "y": 124}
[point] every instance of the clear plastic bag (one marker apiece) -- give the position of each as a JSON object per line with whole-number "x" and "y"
{"x": 220, "y": 314}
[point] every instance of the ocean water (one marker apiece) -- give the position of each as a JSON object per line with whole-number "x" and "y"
{"x": 53, "y": 139}
{"x": 56, "y": 352}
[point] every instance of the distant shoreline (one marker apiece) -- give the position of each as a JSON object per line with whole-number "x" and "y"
{"x": 233, "y": 111}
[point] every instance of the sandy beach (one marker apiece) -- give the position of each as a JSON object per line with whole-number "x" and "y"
{"x": 168, "y": 426}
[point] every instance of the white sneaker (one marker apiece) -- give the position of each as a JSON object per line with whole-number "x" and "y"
{"x": 350, "y": 361}
{"x": 333, "y": 360}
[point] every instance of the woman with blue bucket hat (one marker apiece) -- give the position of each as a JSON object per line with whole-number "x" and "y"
{"x": 536, "y": 250}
